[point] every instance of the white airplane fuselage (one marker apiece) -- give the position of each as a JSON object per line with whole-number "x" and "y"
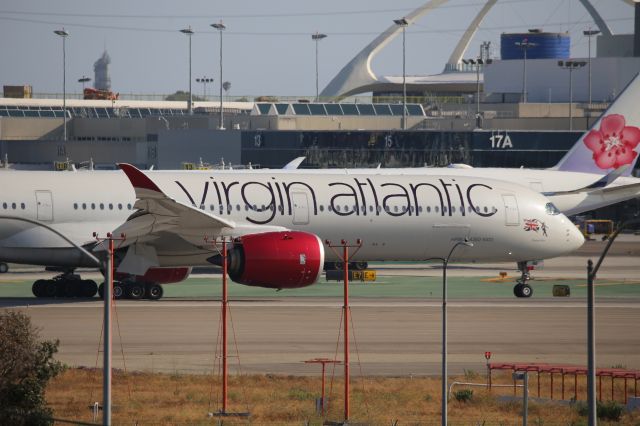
{"x": 397, "y": 216}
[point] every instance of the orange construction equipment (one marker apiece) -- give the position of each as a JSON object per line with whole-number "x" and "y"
{"x": 108, "y": 95}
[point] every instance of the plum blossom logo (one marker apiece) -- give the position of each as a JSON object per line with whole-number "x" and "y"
{"x": 614, "y": 143}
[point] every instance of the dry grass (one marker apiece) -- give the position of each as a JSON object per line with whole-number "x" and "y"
{"x": 145, "y": 398}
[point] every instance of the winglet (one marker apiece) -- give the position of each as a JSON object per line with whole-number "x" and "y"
{"x": 138, "y": 179}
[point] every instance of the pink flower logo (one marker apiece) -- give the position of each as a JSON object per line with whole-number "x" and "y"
{"x": 613, "y": 145}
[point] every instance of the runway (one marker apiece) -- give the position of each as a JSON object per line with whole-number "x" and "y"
{"x": 392, "y": 336}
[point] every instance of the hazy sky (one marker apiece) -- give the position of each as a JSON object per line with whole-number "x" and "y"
{"x": 267, "y": 47}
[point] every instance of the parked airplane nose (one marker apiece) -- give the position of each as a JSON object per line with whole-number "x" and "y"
{"x": 575, "y": 238}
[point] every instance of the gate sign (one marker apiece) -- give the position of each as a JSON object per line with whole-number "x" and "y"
{"x": 500, "y": 141}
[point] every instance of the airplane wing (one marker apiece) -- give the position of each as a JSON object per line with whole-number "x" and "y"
{"x": 600, "y": 184}
{"x": 162, "y": 224}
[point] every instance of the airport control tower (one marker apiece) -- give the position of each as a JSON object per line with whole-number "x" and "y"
{"x": 102, "y": 80}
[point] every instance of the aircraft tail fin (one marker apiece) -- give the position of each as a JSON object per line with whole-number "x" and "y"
{"x": 613, "y": 141}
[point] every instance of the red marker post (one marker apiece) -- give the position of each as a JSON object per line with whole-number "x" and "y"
{"x": 487, "y": 356}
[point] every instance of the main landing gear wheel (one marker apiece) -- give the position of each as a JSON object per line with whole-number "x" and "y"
{"x": 65, "y": 285}
{"x": 135, "y": 291}
{"x": 118, "y": 290}
{"x": 154, "y": 291}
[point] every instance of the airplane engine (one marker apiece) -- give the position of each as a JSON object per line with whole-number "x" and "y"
{"x": 289, "y": 259}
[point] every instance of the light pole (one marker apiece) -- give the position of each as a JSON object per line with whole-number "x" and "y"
{"x": 445, "y": 263}
{"x": 591, "y": 335}
{"x": 62, "y": 33}
{"x": 83, "y": 80}
{"x": 477, "y": 63}
{"x": 402, "y": 22}
{"x": 590, "y": 33}
{"x": 525, "y": 45}
{"x": 204, "y": 81}
{"x": 189, "y": 32}
{"x": 220, "y": 27}
{"x": 571, "y": 65}
{"x": 317, "y": 37}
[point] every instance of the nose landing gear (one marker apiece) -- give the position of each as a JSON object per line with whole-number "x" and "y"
{"x": 522, "y": 288}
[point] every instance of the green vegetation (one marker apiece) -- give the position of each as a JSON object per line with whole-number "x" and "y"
{"x": 26, "y": 366}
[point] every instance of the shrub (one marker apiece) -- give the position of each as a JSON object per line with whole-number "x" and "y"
{"x": 463, "y": 395}
{"x": 26, "y": 365}
{"x": 610, "y": 410}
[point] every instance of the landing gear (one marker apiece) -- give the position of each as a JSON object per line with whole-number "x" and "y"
{"x": 133, "y": 290}
{"x": 522, "y": 288}
{"x": 4, "y": 268}
{"x": 154, "y": 291}
{"x": 64, "y": 285}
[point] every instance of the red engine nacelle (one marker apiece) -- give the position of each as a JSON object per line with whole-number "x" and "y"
{"x": 290, "y": 259}
{"x": 159, "y": 275}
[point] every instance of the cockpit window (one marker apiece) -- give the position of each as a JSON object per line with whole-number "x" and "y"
{"x": 551, "y": 209}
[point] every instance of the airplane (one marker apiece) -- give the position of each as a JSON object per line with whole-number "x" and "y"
{"x": 277, "y": 220}
{"x": 594, "y": 173}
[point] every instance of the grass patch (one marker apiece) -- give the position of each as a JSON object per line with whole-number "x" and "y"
{"x": 148, "y": 398}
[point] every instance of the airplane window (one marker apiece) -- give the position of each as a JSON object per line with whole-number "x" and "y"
{"x": 453, "y": 209}
{"x": 129, "y": 206}
{"x": 13, "y": 206}
{"x": 551, "y": 209}
{"x": 411, "y": 209}
{"x": 346, "y": 208}
{"x": 4, "y": 206}
{"x": 321, "y": 208}
{"x": 84, "y": 206}
{"x": 119, "y": 206}
{"x": 470, "y": 209}
{"x": 444, "y": 210}
{"x": 101, "y": 206}
{"x": 238, "y": 207}
{"x": 371, "y": 209}
{"x": 110, "y": 206}
{"x": 337, "y": 208}
{"x": 93, "y": 206}
{"x": 387, "y": 209}
{"x": 486, "y": 210}
{"x": 378, "y": 209}
{"x": 436, "y": 209}
{"x": 75, "y": 206}
{"x": 329, "y": 208}
{"x": 211, "y": 207}
{"x": 420, "y": 209}
{"x": 363, "y": 209}
{"x": 22, "y": 206}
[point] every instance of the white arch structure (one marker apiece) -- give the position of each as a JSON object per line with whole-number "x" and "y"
{"x": 358, "y": 77}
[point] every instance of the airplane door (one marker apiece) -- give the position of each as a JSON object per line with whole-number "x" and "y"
{"x": 44, "y": 205}
{"x": 511, "y": 214}
{"x": 300, "y": 208}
